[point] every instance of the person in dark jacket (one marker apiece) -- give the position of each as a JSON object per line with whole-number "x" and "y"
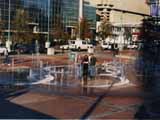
{"x": 92, "y": 66}
{"x": 85, "y": 69}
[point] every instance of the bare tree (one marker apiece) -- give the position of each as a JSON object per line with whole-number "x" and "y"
{"x": 58, "y": 31}
{"x": 83, "y": 29}
{"x": 105, "y": 29}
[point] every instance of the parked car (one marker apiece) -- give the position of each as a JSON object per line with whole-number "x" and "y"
{"x": 93, "y": 42}
{"x": 20, "y": 48}
{"x": 64, "y": 47}
{"x": 132, "y": 46}
{"x": 29, "y": 48}
{"x": 3, "y": 50}
{"x": 76, "y": 45}
{"x": 24, "y": 48}
{"x": 105, "y": 45}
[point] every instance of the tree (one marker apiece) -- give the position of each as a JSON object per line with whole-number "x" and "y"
{"x": 58, "y": 31}
{"x": 22, "y": 32}
{"x": 83, "y": 29}
{"x": 57, "y": 28}
{"x": 105, "y": 29}
{"x": 1, "y": 32}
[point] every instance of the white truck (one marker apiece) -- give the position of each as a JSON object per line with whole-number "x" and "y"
{"x": 3, "y": 50}
{"x": 107, "y": 43}
{"x": 77, "y": 45}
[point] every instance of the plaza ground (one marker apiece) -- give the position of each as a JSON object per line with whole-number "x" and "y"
{"x": 62, "y": 102}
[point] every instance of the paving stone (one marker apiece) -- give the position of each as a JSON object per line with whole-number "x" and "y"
{"x": 120, "y": 115}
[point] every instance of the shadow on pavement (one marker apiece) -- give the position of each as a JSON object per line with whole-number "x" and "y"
{"x": 96, "y": 103}
{"x": 10, "y": 110}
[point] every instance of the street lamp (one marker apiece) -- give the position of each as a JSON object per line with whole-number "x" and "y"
{"x": 8, "y": 42}
{"x": 47, "y": 44}
{"x": 48, "y": 18}
{"x": 9, "y": 19}
{"x": 80, "y": 17}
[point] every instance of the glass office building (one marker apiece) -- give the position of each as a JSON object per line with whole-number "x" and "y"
{"x": 38, "y": 12}
{"x": 90, "y": 14}
{"x": 70, "y": 14}
{"x": 44, "y": 13}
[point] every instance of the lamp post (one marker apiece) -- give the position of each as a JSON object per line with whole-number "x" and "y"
{"x": 8, "y": 42}
{"x": 122, "y": 35}
{"x": 47, "y": 44}
{"x": 48, "y": 18}
{"x": 80, "y": 17}
{"x": 9, "y": 19}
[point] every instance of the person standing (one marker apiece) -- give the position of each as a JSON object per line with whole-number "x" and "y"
{"x": 6, "y": 61}
{"x": 85, "y": 69}
{"x": 92, "y": 66}
{"x": 79, "y": 66}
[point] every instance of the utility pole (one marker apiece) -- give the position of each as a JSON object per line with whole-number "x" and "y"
{"x": 80, "y": 17}
{"x": 48, "y": 20}
{"x": 8, "y": 42}
{"x": 47, "y": 44}
{"x": 9, "y": 20}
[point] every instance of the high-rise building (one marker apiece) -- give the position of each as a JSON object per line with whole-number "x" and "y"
{"x": 114, "y": 10}
{"x": 90, "y": 13}
{"x": 72, "y": 12}
{"x": 122, "y": 14}
{"x": 39, "y": 12}
{"x": 45, "y": 14}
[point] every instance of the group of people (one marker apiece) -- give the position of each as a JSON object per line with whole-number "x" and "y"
{"x": 86, "y": 67}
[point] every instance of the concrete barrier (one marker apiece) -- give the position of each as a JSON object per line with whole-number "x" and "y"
{"x": 90, "y": 50}
{"x": 50, "y": 51}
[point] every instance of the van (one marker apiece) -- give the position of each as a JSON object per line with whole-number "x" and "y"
{"x": 79, "y": 45}
{"x": 105, "y": 45}
{"x": 3, "y": 50}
